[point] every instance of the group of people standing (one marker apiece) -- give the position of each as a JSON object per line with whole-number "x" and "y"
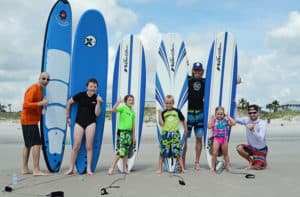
{"x": 255, "y": 151}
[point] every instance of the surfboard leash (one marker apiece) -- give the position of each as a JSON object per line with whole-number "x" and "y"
{"x": 9, "y": 188}
{"x": 247, "y": 175}
{"x": 103, "y": 190}
{"x": 180, "y": 181}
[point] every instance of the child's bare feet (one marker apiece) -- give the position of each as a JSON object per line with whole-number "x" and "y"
{"x": 70, "y": 171}
{"x": 197, "y": 166}
{"x": 110, "y": 171}
{"x": 228, "y": 168}
{"x": 39, "y": 173}
{"x": 89, "y": 172}
{"x": 212, "y": 170}
{"x": 158, "y": 171}
{"x": 26, "y": 171}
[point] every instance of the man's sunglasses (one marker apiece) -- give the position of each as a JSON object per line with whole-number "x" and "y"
{"x": 252, "y": 112}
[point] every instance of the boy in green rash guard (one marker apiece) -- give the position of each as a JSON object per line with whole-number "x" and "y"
{"x": 169, "y": 120}
{"x": 126, "y": 133}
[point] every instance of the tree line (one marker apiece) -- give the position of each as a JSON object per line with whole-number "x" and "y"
{"x": 273, "y": 106}
{"x": 3, "y": 108}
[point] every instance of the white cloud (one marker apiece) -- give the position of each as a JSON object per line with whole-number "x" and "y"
{"x": 287, "y": 37}
{"x": 150, "y": 37}
{"x": 22, "y": 28}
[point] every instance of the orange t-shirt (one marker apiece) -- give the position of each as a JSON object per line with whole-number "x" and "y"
{"x": 31, "y": 111}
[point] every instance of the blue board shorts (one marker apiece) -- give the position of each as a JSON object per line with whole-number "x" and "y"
{"x": 195, "y": 119}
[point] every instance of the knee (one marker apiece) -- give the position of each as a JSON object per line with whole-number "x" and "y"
{"x": 76, "y": 147}
{"x": 239, "y": 148}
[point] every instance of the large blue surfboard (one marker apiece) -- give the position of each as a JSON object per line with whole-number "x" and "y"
{"x": 172, "y": 79}
{"x": 220, "y": 84}
{"x": 56, "y": 61}
{"x": 89, "y": 60}
{"x": 130, "y": 78}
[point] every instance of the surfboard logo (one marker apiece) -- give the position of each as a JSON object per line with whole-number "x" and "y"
{"x": 90, "y": 41}
{"x": 172, "y": 58}
{"x": 218, "y": 57}
{"x": 63, "y": 14}
{"x": 125, "y": 59}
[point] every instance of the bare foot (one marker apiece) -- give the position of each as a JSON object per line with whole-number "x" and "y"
{"x": 183, "y": 170}
{"x": 249, "y": 167}
{"x": 125, "y": 171}
{"x": 212, "y": 171}
{"x": 39, "y": 173}
{"x": 197, "y": 166}
{"x": 26, "y": 171}
{"x": 228, "y": 168}
{"x": 89, "y": 172}
{"x": 158, "y": 172}
{"x": 69, "y": 172}
{"x": 110, "y": 171}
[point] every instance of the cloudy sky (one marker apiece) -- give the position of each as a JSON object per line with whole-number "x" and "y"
{"x": 267, "y": 34}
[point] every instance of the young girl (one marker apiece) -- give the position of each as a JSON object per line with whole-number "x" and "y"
{"x": 126, "y": 133}
{"x": 220, "y": 126}
{"x": 88, "y": 108}
{"x": 169, "y": 120}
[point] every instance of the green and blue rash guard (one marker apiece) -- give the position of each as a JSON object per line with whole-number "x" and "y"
{"x": 126, "y": 118}
{"x": 171, "y": 118}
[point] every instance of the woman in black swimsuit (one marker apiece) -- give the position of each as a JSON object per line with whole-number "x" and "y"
{"x": 88, "y": 108}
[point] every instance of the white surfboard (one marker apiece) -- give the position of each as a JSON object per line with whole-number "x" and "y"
{"x": 220, "y": 85}
{"x": 130, "y": 78}
{"x": 171, "y": 79}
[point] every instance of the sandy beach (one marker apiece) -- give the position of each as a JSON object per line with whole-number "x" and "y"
{"x": 279, "y": 179}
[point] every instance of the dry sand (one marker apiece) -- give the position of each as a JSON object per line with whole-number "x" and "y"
{"x": 279, "y": 179}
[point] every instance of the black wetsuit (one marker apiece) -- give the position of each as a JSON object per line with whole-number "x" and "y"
{"x": 86, "y": 109}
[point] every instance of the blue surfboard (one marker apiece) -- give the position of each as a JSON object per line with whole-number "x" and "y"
{"x": 220, "y": 84}
{"x": 56, "y": 61}
{"x": 172, "y": 79}
{"x": 130, "y": 78}
{"x": 89, "y": 60}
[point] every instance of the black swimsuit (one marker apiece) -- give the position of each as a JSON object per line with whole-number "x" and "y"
{"x": 86, "y": 109}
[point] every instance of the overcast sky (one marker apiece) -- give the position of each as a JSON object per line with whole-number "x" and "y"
{"x": 267, "y": 33}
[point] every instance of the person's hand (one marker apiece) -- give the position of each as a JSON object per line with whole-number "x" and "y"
{"x": 159, "y": 111}
{"x": 69, "y": 121}
{"x": 43, "y": 102}
{"x": 250, "y": 126}
{"x": 239, "y": 79}
{"x": 99, "y": 99}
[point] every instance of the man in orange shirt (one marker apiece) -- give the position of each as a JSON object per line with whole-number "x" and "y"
{"x": 30, "y": 116}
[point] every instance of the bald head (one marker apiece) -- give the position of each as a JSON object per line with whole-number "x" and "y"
{"x": 44, "y": 79}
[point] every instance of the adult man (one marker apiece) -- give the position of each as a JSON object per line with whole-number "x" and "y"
{"x": 195, "y": 110}
{"x": 255, "y": 152}
{"x": 30, "y": 116}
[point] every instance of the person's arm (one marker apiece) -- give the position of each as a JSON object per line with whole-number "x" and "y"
{"x": 28, "y": 99}
{"x": 133, "y": 135}
{"x": 114, "y": 109}
{"x": 210, "y": 122}
{"x": 98, "y": 105}
{"x": 185, "y": 127}
{"x": 259, "y": 130}
{"x": 231, "y": 120}
{"x": 160, "y": 119}
{"x": 68, "y": 107}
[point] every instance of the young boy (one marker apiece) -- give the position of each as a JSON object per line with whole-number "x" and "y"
{"x": 169, "y": 120}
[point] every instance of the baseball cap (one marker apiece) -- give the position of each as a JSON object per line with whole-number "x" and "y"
{"x": 197, "y": 66}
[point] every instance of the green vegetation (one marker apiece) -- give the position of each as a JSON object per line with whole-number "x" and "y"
{"x": 149, "y": 114}
{"x": 10, "y": 115}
